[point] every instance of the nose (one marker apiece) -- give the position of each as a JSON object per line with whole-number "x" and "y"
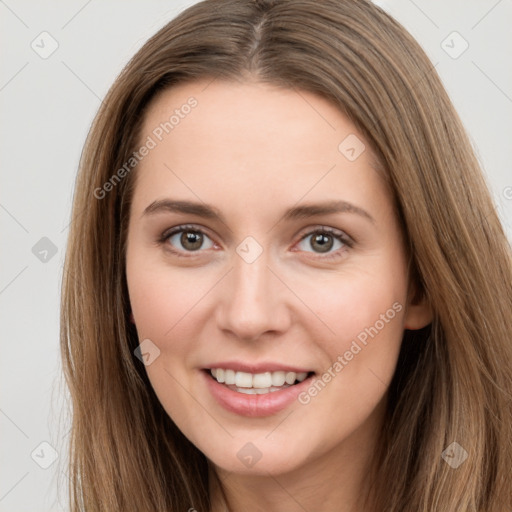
{"x": 254, "y": 301}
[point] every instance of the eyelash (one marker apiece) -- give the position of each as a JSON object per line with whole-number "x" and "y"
{"x": 338, "y": 235}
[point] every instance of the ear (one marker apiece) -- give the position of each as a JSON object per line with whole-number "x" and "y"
{"x": 132, "y": 320}
{"x": 418, "y": 313}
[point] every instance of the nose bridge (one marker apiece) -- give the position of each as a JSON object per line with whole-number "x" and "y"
{"x": 254, "y": 302}
{"x": 250, "y": 279}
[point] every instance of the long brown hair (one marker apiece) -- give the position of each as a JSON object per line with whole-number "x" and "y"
{"x": 453, "y": 381}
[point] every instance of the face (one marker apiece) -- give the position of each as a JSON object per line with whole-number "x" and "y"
{"x": 266, "y": 273}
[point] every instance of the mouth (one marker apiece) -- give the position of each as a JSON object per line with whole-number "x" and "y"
{"x": 257, "y": 383}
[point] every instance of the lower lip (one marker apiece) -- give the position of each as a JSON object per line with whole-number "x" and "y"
{"x": 254, "y": 405}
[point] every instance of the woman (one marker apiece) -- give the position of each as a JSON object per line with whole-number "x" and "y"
{"x": 286, "y": 286}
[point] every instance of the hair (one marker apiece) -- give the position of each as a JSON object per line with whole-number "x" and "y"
{"x": 453, "y": 379}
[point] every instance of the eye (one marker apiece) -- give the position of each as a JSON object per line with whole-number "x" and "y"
{"x": 186, "y": 239}
{"x": 325, "y": 241}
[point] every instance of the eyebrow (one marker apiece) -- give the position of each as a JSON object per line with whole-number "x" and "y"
{"x": 297, "y": 212}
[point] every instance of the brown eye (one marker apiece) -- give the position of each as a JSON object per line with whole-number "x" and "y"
{"x": 325, "y": 241}
{"x": 322, "y": 242}
{"x": 191, "y": 240}
{"x": 184, "y": 239}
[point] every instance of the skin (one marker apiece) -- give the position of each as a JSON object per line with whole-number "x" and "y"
{"x": 253, "y": 150}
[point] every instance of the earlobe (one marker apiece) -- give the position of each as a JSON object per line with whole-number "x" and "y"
{"x": 132, "y": 319}
{"x": 417, "y": 316}
{"x": 418, "y": 313}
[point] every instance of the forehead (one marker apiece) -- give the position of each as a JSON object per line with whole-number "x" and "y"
{"x": 253, "y": 139}
{"x": 252, "y": 117}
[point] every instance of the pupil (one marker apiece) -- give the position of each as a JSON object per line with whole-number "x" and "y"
{"x": 191, "y": 240}
{"x": 325, "y": 242}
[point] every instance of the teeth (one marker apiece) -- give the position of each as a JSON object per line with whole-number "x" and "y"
{"x": 258, "y": 383}
{"x": 260, "y": 391}
{"x": 229, "y": 376}
{"x": 243, "y": 380}
{"x": 262, "y": 380}
{"x": 290, "y": 377}
{"x": 278, "y": 378}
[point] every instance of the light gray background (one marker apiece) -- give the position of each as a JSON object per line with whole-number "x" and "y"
{"x": 46, "y": 107}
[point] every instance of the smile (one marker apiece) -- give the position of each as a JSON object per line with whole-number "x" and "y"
{"x": 258, "y": 393}
{"x": 256, "y": 383}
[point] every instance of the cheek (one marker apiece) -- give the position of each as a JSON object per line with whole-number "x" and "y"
{"x": 162, "y": 297}
{"x": 366, "y": 313}
{"x": 356, "y": 301}
{"x": 171, "y": 308}
{"x": 163, "y": 303}
{"x": 151, "y": 303}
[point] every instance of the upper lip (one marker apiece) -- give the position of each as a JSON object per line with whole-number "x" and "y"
{"x": 240, "y": 366}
